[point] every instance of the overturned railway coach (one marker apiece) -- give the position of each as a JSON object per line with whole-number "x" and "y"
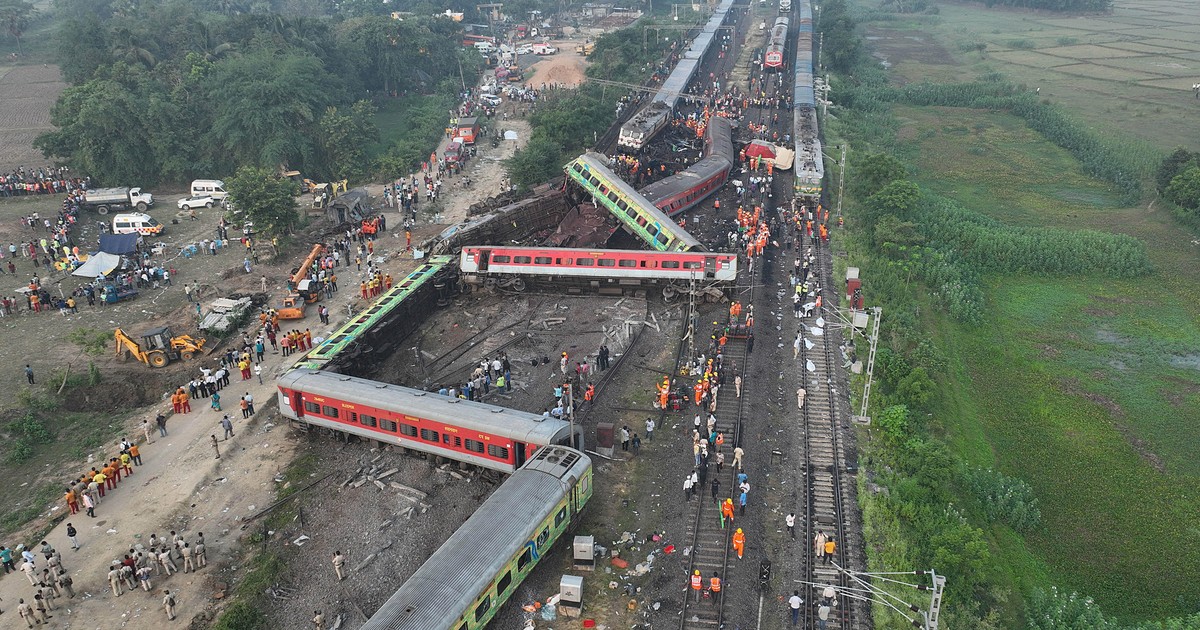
{"x": 603, "y": 270}
{"x": 464, "y": 583}
{"x": 684, "y": 191}
{"x": 485, "y": 435}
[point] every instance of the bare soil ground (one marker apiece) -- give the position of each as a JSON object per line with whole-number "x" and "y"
{"x": 26, "y": 94}
{"x": 564, "y": 68}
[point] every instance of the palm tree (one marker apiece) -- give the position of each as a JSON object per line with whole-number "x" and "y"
{"x": 127, "y": 47}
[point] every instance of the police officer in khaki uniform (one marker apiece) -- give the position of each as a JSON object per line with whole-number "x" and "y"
{"x": 169, "y": 605}
{"x": 338, "y": 562}
{"x": 318, "y": 620}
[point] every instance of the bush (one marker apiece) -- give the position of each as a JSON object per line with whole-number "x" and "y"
{"x": 1004, "y": 499}
{"x": 91, "y": 340}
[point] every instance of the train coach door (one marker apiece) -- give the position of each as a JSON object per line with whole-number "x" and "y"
{"x": 482, "y": 258}
{"x": 520, "y": 455}
{"x": 710, "y": 267}
{"x": 298, "y": 403}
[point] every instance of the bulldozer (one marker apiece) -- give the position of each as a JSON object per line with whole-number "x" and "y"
{"x": 158, "y": 347}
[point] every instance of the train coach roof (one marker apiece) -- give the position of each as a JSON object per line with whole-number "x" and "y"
{"x": 465, "y": 565}
{"x": 513, "y": 424}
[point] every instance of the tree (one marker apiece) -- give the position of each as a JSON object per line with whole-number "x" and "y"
{"x": 264, "y": 198}
{"x": 265, "y": 106}
{"x": 842, "y": 45}
{"x": 1173, "y": 165}
{"x": 873, "y": 172}
{"x": 344, "y": 139}
{"x": 1185, "y": 188}
{"x": 101, "y": 130}
{"x": 898, "y": 198}
{"x": 16, "y": 16}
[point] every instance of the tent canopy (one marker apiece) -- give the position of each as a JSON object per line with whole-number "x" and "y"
{"x": 760, "y": 149}
{"x": 98, "y": 264}
{"x": 118, "y": 243}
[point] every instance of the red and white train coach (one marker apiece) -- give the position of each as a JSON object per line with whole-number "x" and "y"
{"x": 616, "y": 268}
{"x": 476, "y": 433}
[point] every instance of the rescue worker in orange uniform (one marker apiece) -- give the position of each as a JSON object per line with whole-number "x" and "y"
{"x": 727, "y": 512}
{"x": 739, "y": 541}
{"x": 698, "y": 389}
{"x": 697, "y": 584}
{"x": 714, "y": 587}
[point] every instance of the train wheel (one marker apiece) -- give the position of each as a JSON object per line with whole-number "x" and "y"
{"x": 669, "y": 293}
{"x": 518, "y": 285}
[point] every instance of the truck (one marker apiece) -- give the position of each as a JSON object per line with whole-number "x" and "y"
{"x": 586, "y": 48}
{"x": 104, "y": 199}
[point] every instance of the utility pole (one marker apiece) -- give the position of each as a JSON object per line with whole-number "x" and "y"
{"x": 874, "y": 339}
{"x": 841, "y": 176}
{"x": 935, "y": 600}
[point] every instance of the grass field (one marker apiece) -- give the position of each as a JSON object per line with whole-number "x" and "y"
{"x": 1075, "y": 60}
{"x": 1087, "y": 388}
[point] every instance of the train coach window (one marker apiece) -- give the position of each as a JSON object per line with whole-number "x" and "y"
{"x": 641, "y": 221}
{"x": 669, "y": 264}
{"x": 661, "y": 237}
{"x": 522, "y": 260}
{"x": 387, "y": 425}
{"x": 331, "y": 412}
{"x": 560, "y": 517}
{"x": 312, "y": 407}
{"x": 429, "y": 435}
{"x": 474, "y": 445}
{"x": 408, "y": 429}
{"x": 612, "y": 196}
{"x": 351, "y": 417}
{"x": 543, "y": 537}
{"x": 497, "y": 258}
{"x": 367, "y": 421}
{"x": 451, "y": 440}
{"x": 622, "y": 205}
{"x": 607, "y": 262}
{"x": 541, "y": 260}
{"x": 504, "y": 583}
{"x": 499, "y": 452}
{"x": 627, "y": 262}
{"x": 523, "y": 561}
{"x": 594, "y": 180}
{"x": 482, "y": 609}
{"x": 585, "y": 262}
{"x": 577, "y": 168}
{"x": 692, "y": 264}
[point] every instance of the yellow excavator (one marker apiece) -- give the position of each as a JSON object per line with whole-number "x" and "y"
{"x": 158, "y": 347}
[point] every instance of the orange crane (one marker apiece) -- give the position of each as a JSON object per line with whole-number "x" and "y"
{"x": 303, "y": 290}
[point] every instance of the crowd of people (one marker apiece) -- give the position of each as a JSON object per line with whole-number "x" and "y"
{"x": 45, "y": 180}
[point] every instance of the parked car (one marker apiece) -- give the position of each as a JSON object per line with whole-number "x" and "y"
{"x": 490, "y": 99}
{"x": 525, "y": 49}
{"x": 200, "y": 201}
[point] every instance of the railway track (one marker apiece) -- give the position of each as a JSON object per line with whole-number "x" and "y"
{"x": 710, "y": 535}
{"x": 828, "y": 487}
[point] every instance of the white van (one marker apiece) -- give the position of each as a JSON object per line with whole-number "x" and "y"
{"x": 136, "y": 223}
{"x": 214, "y": 188}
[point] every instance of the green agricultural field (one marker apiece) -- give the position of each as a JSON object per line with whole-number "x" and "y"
{"x": 1129, "y": 99}
{"x": 1086, "y": 388}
